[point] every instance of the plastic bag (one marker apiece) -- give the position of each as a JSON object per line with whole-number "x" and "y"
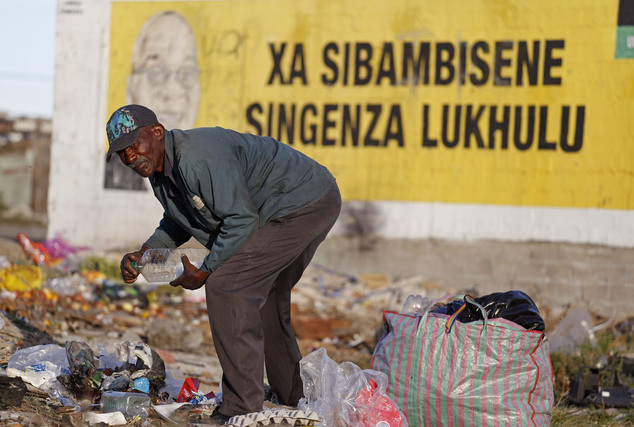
{"x": 345, "y": 395}
{"x": 148, "y": 362}
{"x": 39, "y": 364}
{"x": 515, "y": 306}
{"x": 36, "y": 251}
{"x": 21, "y": 278}
{"x": 446, "y": 372}
{"x": 58, "y": 248}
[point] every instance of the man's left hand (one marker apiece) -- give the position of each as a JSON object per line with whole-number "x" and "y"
{"x": 192, "y": 278}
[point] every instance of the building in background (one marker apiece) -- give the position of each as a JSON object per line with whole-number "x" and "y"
{"x": 24, "y": 167}
{"x": 456, "y": 120}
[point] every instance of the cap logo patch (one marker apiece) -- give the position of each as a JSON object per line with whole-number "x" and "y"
{"x": 122, "y": 122}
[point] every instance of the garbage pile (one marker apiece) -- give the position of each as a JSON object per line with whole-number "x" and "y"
{"x": 101, "y": 352}
{"x": 64, "y": 298}
{"x": 127, "y": 386}
{"x": 128, "y": 382}
{"x": 346, "y": 395}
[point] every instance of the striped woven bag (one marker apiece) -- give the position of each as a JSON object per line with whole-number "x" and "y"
{"x": 484, "y": 373}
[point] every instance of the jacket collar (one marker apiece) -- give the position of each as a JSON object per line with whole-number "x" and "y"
{"x": 168, "y": 142}
{"x": 169, "y": 146}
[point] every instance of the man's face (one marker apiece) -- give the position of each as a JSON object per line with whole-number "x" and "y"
{"x": 145, "y": 155}
{"x": 166, "y": 74}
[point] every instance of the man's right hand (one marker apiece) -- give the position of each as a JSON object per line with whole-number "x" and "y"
{"x": 128, "y": 273}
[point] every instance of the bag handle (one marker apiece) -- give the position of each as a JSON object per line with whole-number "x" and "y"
{"x": 452, "y": 319}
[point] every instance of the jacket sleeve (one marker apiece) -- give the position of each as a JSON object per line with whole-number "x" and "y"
{"x": 227, "y": 196}
{"x": 167, "y": 235}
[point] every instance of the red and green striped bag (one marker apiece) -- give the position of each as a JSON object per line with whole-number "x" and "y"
{"x": 484, "y": 373}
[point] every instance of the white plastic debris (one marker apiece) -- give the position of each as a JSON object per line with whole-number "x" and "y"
{"x": 108, "y": 418}
{"x": 572, "y": 331}
{"x": 39, "y": 364}
{"x": 275, "y": 416}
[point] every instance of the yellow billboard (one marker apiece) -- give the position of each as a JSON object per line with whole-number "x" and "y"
{"x": 523, "y": 103}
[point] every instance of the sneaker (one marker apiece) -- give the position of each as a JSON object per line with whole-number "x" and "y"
{"x": 218, "y": 418}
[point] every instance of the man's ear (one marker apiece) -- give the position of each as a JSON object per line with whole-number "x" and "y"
{"x": 158, "y": 130}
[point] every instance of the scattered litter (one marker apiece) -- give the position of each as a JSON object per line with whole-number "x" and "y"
{"x": 415, "y": 304}
{"x": 141, "y": 384}
{"x": 515, "y": 306}
{"x": 84, "y": 375}
{"x": 186, "y": 413}
{"x": 147, "y": 328}
{"x": 375, "y": 280}
{"x": 572, "y": 331}
{"x": 36, "y": 251}
{"x": 169, "y": 409}
{"x": 109, "y": 419}
{"x": 146, "y": 363}
{"x": 21, "y": 278}
{"x": 4, "y": 262}
{"x": 587, "y": 389}
{"x": 346, "y": 395}
{"x": 39, "y": 365}
{"x": 69, "y": 285}
{"x": 283, "y": 416}
{"x": 190, "y": 386}
{"x": 124, "y": 383}
{"x": 129, "y": 404}
{"x": 59, "y": 249}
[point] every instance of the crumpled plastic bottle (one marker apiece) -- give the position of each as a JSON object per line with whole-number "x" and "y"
{"x": 415, "y": 304}
{"x": 84, "y": 368}
{"x": 162, "y": 265}
{"x": 130, "y": 404}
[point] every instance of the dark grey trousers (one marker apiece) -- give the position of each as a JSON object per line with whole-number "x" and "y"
{"x": 249, "y": 307}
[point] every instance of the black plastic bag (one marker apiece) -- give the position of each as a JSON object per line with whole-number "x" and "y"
{"x": 515, "y": 306}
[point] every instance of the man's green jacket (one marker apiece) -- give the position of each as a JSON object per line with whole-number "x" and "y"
{"x": 229, "y": 185}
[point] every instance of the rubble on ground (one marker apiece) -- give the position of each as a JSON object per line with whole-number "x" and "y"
{"x": 74, "y": 301}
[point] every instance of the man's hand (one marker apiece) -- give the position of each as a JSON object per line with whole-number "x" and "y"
{"x": 192, "y": 278}
{"x": 128, "y": 273}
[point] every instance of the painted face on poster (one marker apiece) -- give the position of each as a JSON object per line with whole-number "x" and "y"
{"x": 164, "y": 77}
{"x": 165, "y": 71}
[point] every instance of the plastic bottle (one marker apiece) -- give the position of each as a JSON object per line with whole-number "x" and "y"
{"x": 130, "y": 404}
{"x": 164, "y": 264}
{"x": 415, "y": 304}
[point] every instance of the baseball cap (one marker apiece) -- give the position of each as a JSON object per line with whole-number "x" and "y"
{"x": 124, "y": 124}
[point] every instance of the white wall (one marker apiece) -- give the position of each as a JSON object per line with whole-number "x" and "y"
{"x": 79, "y": 208}
{"x": 510, "y": 223}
